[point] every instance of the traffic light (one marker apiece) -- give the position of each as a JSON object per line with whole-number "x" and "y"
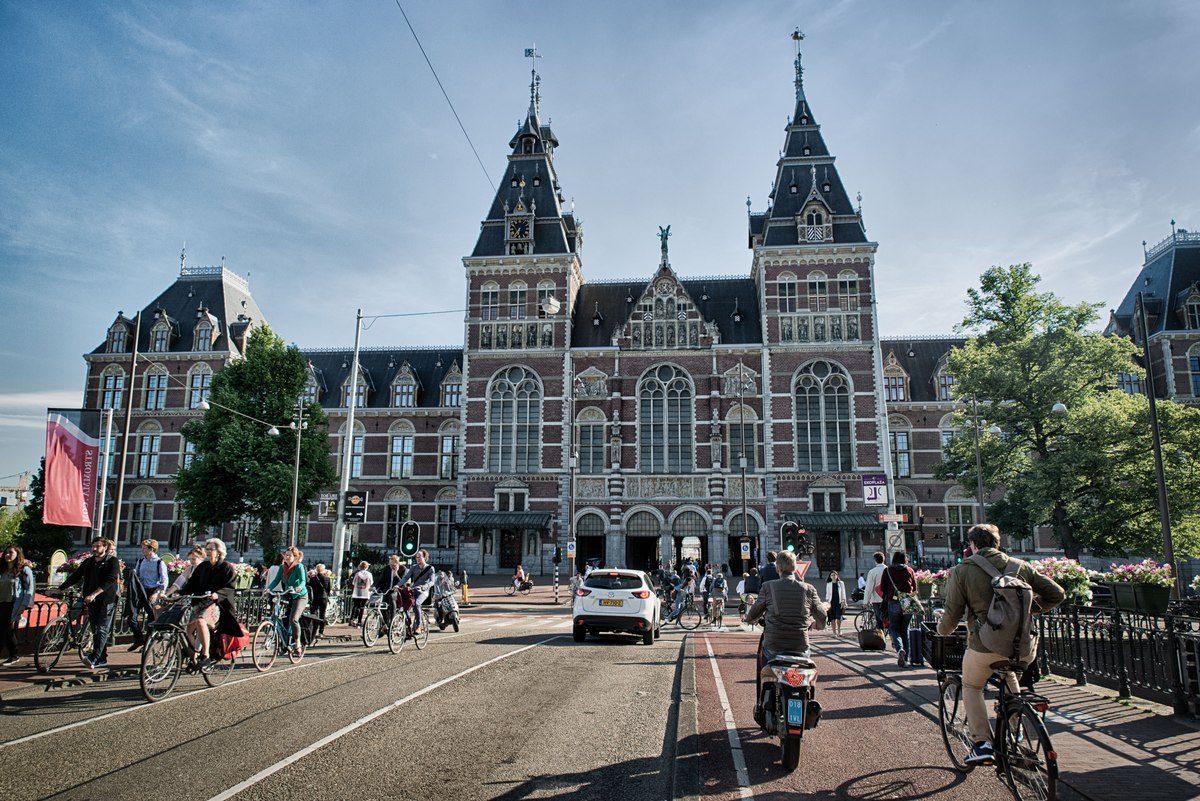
{"x": 789, "y": 534}
{"x": 410, "y": 539}
{"x": 557, "y": 554}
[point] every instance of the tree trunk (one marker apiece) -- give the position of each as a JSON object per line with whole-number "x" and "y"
{"x": 1064, "y": 534}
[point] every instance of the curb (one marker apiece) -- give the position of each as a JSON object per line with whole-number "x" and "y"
{"x": 685, "y": 776}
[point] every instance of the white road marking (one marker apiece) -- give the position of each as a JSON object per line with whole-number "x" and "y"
{"x": 342, "y": 732}
{"x": 735, "y": 743}
{"x": 181, "y": 696}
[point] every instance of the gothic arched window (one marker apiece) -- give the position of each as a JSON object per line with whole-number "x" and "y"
{"x": 665, "y": 435}
{"x": 823, "y": 418}
{"x": 514, "y": 414}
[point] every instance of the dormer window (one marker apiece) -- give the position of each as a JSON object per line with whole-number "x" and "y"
{"x": 814, "y": 224}
{"x": 807, "y": 150}
{"x": 117, "y": 337}
{"x": 160, "y": 338}
{"x": 310, "y": 394}
{"x": 1192, "y": 312}
{"x": 404, "y": 389}
{"x": 204, "y": 337}
{"x": 360, "y": 392}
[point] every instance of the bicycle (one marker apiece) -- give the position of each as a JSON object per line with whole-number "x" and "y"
{"x": 866, "y": 619}
{"x": 716, "y": 615}
{"x": 403, "y": 625}
{"x": 1024, "y": 755}
{"x": 275, "y": 635}
{"x": 525, "y": 588}
{"x": 169, "y": 651}
{"x": 72, "y": 629}
{"x": 372, "y": 619}
{"x": 689, "y": 615}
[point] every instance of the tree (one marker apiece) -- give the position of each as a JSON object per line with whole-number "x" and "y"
{"x": 39, "y": 540}
{"x": 10, "y": 525}
{"x": 1027, "y": 351}
{"x": 239, "y": 469}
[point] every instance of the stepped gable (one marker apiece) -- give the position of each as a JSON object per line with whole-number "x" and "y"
{"x": 805, "y": 177}
{"x": 530, "y": 187}
{"x": 215, "y": 294}
{"x": 380, "y": 367}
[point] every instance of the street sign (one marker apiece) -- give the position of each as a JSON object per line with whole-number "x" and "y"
{"x": 571, "y": 549}
{"x": 875, "y": 489}
{"x": 893, "y": 518}
{"x": 745, "y": 549}
{"x": 327, "y": 506}
{"x": 355, "y": 510}
{"x": 802, "y": 568}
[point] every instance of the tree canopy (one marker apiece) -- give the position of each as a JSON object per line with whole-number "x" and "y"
{"x": 239, "y": 469}
{"x": 1086, "y": 470}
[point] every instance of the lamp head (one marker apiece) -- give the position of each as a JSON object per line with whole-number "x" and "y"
{"x": 1059, "y": 408}
{"x": 203, "y": 406}
{"x": 273, "y": 431}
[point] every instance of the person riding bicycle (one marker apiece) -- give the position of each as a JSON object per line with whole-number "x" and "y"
{"x": 421, "y": 579}
{"x": 518, "y": 577}
{"x": 390, "y": 580}
{"x": 194, "y": 557}
{"x": 292, "y": 579}
{"x": 214, "y": 578}
{"x": 683, "y": 590}
{"x": 98, "y": 574}
{"x": 789, "y": 606}
{"x": 968, "y": 592}
{"x": 717, "y": 592}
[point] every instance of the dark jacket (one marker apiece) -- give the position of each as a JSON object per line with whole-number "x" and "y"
{"x": 96, "y": 574}
{"x": 768, "y": 573}
{"x": 897, "y": 578}
{"x": 789, "y": 606}
{"x": 386, "y": 581}
{"x": 219, "y": 578}
{"x": 318, "y": 587}
{"x": 752, "y": 585}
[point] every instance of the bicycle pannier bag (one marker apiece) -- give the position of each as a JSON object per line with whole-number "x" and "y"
{"x": 232, "y": 646}
{"x": 1007, "y": 627}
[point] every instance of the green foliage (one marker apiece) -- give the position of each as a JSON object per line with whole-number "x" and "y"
{"x": 239, "y": 469}
{"x": 36, "y": 538}
{"x": 10, "y": 525}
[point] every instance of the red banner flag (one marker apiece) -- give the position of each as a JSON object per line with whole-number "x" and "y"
{"x": 72, "y": 459}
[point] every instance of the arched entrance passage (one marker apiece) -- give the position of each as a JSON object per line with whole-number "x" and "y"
{"x": 641, "y": 541}
{"x": 589, "y": 539}
{"x": 734, "y": 527}
{"x": 689, "y": 531}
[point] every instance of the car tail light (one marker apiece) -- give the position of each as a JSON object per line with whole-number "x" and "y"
{"x": 796, "y": 677}
{"x": 614, "y": 575}
{"x": 643, "y": 594}
{"x": 581, "y": 592}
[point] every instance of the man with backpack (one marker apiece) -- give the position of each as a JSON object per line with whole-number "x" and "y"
{"x": 997, "y": 595}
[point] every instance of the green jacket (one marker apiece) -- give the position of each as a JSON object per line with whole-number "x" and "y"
{"x": 968, "y": 594}
{"x": 296, "y": 581}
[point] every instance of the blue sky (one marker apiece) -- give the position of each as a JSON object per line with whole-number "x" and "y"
{"x": 309, "y": 145}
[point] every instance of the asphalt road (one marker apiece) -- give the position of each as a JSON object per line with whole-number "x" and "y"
{"x": 508, "y": 708}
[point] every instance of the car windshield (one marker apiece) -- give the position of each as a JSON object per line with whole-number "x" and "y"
{"x": 605, "y": 581}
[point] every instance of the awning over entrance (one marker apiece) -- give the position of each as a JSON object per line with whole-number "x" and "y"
{"x": 839, "y": 520}
{"x": 519, "y": 520}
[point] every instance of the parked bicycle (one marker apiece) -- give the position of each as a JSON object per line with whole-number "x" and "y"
{"x": 372, "y": 619}
{"x": 403, "y": 626}
{"x": 1024, "y": 755}
{"x": 866, "y": 619}
{"x": 169, "y": 651}
{"x": 275, "y": 635}
{"x": 70, "y": 630}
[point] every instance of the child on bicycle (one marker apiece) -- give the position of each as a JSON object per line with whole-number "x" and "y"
{"x": 717, "y": 592}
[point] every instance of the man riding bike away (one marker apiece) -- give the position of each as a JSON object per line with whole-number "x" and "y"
{"x": 790, "y": 607}
{"x": 968, "y": 593}
{"x": 421, "y": 579}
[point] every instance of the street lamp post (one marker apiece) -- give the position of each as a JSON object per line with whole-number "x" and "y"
{"x": 1164, "y": 510}
{"x": 298, "y": 425}
{"x": 978, "y": 467}
{"x": 742, "y": 453}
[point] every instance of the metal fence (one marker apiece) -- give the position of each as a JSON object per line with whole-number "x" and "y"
{"x": 1156, "y": 658}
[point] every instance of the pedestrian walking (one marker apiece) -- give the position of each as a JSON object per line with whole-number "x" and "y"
{"x": 769, "y": 571}
{"x": 16, "y": 595}
{"x": 835, "y": 597}
{"x": 898, "y": 578}
{"x": 319, "y": 588}
{"x": 98, "y": 575}
{"x": 360, "y": 591}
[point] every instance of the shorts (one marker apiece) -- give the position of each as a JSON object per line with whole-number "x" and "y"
{"x": 210, "y": 615}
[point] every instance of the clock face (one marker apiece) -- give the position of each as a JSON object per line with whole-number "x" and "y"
{"x": 518, "y": 229}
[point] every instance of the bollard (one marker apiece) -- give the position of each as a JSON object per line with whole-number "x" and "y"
{"x": 466, "y": 590}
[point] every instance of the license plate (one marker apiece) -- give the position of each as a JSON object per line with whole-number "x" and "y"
{"x": 611, "y": 602}
{"x": 795, "y": 712}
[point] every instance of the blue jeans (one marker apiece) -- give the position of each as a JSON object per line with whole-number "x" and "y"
{"x": 898, "y": 625}
{"x": 100, "y": 616}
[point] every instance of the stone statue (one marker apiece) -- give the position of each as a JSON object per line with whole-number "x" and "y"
{"x": 663, "y": 233}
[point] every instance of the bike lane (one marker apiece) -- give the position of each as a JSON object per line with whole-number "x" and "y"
{"x": 871, "y": 742}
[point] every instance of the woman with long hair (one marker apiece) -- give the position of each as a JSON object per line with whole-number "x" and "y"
{"x": 16, "y": 595}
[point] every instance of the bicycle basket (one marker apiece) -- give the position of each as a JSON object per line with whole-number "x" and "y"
{"x": 170, "y": 617}
{"x": 945, "y": 652}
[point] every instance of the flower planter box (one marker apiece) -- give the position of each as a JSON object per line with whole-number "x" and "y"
{"x": 1145, "y": 599}
{"x": 924, "y": 591}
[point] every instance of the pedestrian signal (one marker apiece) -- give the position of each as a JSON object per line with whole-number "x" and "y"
{"x": 410, "y": 539}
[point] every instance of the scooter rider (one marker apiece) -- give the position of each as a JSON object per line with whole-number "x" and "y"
{"x": 789, "y": 607}
{"x": 421, "y": 579}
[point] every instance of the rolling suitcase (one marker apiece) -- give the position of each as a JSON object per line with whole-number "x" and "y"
{"x": 871, "y": 640}
{"x": 916, "y": 646}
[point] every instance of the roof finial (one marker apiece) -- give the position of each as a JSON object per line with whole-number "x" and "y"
{"x": 663, "y": 233}
{"x": 1172, "y": 230}
{"x": 535, "y": 82}
{"x": 797, "y": 37}
{"x": 183, "y": 258}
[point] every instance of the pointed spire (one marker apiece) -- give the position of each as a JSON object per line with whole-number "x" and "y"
{"x": 535, "y": 82}
{"x": 797, "y": 37}
{"x": 183, "y": 259}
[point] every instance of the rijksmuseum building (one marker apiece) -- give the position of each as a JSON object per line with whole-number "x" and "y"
{"x": 618, "y": 413}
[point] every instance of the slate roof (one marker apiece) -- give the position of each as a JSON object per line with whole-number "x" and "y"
{"x": 805, "y": 169}
{"x": 920, "y": 358}
{"x": 213, "y": 293}
{"x": 616, "y": 300}
{"x": 380, "y": 366}
{"x": 1171, "y": 269}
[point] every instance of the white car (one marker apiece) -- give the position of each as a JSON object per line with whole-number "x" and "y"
{"x": 617, "y": 600}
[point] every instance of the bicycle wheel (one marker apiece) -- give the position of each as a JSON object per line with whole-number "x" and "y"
{"x": 162, "y": 659}
{"x": 83, "y": 646}
{"x": 371, "y": 623}
{"x": 509, "y": 589}
{"x": 220, "y": 672}
{"x": 953, "y": 714}
{"x": 1029, "y": 761}
{"x": 718, "y": 616}
{"x": 295, "y": 649}
{"x": 51, "y": 644}
{"x": 689, "y": 617}
{"x": 526, "y": 590}
{"x": 865, "y": 620}
{"x": 264, "y": 647}
{"x": 395, "y": 633}
{"x": 421, "y": 639}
